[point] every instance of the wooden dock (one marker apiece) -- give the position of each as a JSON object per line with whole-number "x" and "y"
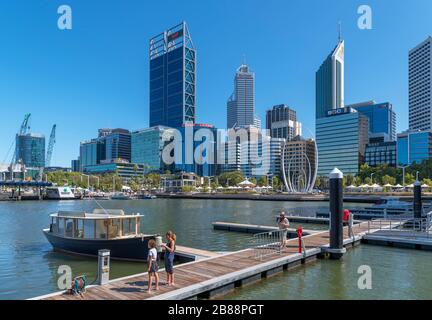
{"x": 219, "y": 274}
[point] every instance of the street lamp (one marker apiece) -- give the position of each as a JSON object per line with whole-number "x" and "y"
{"x": 403, "y": 174}
{"x": 372, "y": 174}
{"x": 417, "y": 176}
{"x": 88, "y": 180}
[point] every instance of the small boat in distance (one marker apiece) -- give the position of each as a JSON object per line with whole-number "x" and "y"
{"x": 86, "y": 233}
{"x": 120, "y": 196}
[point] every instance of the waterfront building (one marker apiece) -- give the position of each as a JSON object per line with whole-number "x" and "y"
{"x": 241, "y": 103}
{"x": 299, "y": 163}
{"x": 75, "y": 165}
{"x": 175, "y": 182}
{"x": 382, "y": 118}
{"x": 414, "y": 147}
{"x": 378, "y": 153}
{"x": 420, "y": 86}
{"x": 124, "y": 169}
{"x": 341, "y": 139}
{"x": 281, "y": 122}
{"x": 147, "y": 146}
{"x": 30, "y": 150}
{"x": 55, "y": 169}
{"x": 117, "y": 145}
{"x": 91, "y": 153}
{"x": 172, "y": 78}
{"x": 330, "y": 82}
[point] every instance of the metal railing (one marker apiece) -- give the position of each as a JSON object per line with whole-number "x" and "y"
{"x": 269, "y": 243}
{"x": 408, "y": 226}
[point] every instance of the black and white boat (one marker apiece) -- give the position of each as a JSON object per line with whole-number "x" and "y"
{"x": 85, "y": 233}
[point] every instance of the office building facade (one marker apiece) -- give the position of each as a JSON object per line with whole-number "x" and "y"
{"x": 30, "y": 149}
{"x": 382, "y": 118}
{"x": 341, "y": 139}
{"x": 420, "y": 86}
{"x": 330, "y": 82}
{"x": 172, "y": 78}
{"x": 117, "y": 145}
{"x": 281, "y": 122}
{"x": 414, "y": 147}
{"x": 147, "y": 146}
{"x": 241, "y": 103}
{"x": 381, "y": 153}
{"x": 92, "y": 152}
{"x": 125, "y": 170}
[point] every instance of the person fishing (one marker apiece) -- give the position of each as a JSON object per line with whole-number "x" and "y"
{"x": 283, "y": 225}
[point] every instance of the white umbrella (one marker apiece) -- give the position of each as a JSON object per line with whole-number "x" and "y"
{"x": 246, "y": 183}
{"x": 398, "y": 186}
{"x": 410, "y": 186}
{"x": 220, "y": 187}
{"x": 388, "y": 185}
{"x": 424, "y": 185}
{"x": 375, "y": 186}
{"x": 351, "y": 187}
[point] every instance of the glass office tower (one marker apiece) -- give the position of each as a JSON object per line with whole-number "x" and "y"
{"x": 329, "y": 81}
{"x": 414, "y": 147}
{"x": 172, "y": 78}
{"x": 117, "y": 145}
{"x": 30, "y": 148}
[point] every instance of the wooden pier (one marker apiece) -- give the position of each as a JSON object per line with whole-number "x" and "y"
{"x": 211, "y": 276}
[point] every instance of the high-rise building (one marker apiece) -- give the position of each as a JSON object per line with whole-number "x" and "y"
{"x": 75, "y": 165}
{"x": 147, "y": 147}
{"x": 92, "y": 152}
{"x": 117, "y": 145}
{"x": 30, "y": 149}
{"x": 420, "y": 86}
{"x": 172, "y": 78}
{"x": 330, "y": 82}
{"x": 382, "y": 118}
{"x": 414, "y": 147}
{"x": 341, "y": 139}
{"x": 381, "y": 153}
{"x": 257, "y": 122}
{"x": 241, "y": 103}
{"x": 281, "y": 121}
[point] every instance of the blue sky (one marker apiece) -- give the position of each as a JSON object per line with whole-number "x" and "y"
{"x": 96, "y": 75}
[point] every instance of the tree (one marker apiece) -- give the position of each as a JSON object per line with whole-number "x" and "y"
{"x": 409, "y": 178}
{"x": 388, "y": 180}
{"x": 262, "y": 181}
{"x": 231, "y": 178}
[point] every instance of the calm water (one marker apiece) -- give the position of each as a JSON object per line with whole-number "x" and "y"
{"x": 28, "y": 266}
{"x": 396, "y": 274}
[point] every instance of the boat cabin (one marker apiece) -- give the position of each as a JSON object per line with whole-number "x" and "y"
{"x": 99, "y": 225}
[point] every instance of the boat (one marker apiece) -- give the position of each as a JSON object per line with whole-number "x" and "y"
{"x": 59, "y": 193}
{"x": 85, "y": 234}
{"x": 387, "y": 207}
{"x": 120, "y": 196}
{"x": 146, "y": 196}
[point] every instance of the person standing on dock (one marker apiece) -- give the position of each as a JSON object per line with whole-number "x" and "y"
{"x": 169, "y": 256}
{"x": 283, "y": 225}
{"x": 153, "y": 265}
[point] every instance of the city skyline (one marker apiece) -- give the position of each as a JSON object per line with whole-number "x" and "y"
{"x": 81, "y": 109}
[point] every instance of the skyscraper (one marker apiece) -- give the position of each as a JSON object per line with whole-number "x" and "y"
{"x": 330, "y": 82}
{"x": 241, "y": 104}
{"x": 420, "y": 77}
{"x": 281, "y": 121}
{"x": 172, "y": 78}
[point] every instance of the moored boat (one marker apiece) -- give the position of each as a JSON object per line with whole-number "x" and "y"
{"x": 59, "y": 193}
{"x": 85, "y": 233}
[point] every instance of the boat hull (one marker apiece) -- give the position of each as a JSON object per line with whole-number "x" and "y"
{"x": 132, "y": 249}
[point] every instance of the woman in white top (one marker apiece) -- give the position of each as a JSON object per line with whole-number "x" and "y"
{"x": 153, "y": 265}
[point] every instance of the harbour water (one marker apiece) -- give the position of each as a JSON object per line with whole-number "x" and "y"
{"x": 28, "y": 265}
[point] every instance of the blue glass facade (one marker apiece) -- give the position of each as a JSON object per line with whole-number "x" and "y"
{"x": 172, "y": 78}
{"x": 147, "y": 146}
{"x": 125, "y": 170}
{"x": 30, "y": 148}
{"x": 91, "y": 153}
{"x": 382, "y": 118}
{"x": 341, "y": 141}
{"x": 117, "y": 145}
{"x": 414, "y": 147}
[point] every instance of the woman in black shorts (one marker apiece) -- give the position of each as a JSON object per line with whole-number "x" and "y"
{"x": 169, "y": 257}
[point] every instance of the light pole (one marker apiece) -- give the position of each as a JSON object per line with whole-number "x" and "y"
{"x": 403, "y": 174}
{"x": 417, "y": 176}
{"x": 372, "y": 174}
{"x": 88, "y": 180}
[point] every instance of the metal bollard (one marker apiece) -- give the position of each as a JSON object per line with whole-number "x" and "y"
{"x": 417, "y": 203}
{"x": 103, "y": 266}
{"x": 336, "y": 249}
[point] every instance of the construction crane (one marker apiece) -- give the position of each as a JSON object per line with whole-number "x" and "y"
{"x": 51, "y": 143}
{"x": 24, "y": 128}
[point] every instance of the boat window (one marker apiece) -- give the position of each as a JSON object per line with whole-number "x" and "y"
{"x": 79, "y": 229}
{"x": 54, "y": 227}
{"x": 89, "y": 229}
{"x": 61, "y": 226}
{"x": 126, "y": 227}
{"x": 101, "y": 229}
{"x": 69, "y": 228}
{"x": 115, "y": 229}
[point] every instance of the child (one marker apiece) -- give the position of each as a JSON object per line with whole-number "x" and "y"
{"x": 169, "y": 257}
{"x": 153, "y": 265}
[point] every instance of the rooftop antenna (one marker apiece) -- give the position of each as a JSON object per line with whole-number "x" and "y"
{"x": 339, "y": 31}
{"x": 244, "y": 59}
